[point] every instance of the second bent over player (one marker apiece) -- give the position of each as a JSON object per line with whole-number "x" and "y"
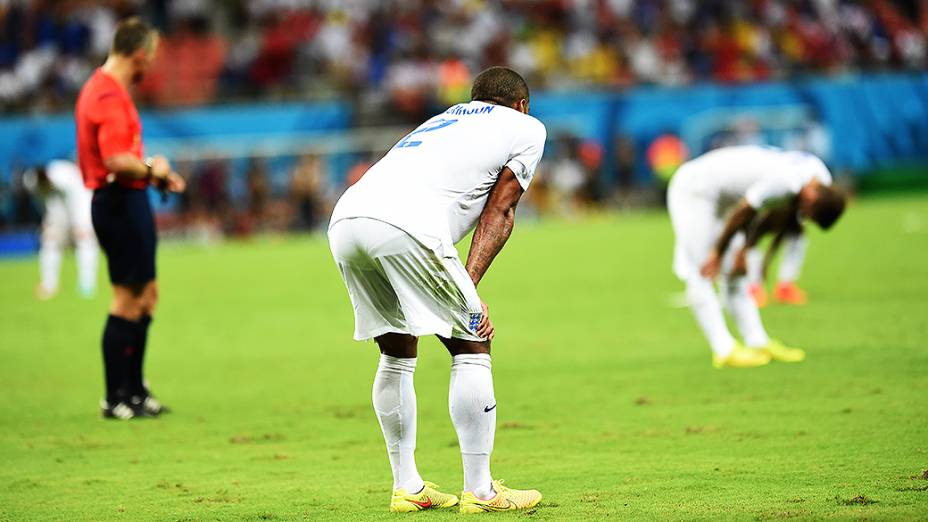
{"x": 109, "y": 147}
{"x": 714, "y": 202}
{"x": 392, "y": 235}
{"x": 59, "y": 186}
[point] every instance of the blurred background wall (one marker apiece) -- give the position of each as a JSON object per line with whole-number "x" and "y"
{"x": 272, "y": 107}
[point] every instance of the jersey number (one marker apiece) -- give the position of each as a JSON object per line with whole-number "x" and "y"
{"x": 428, "y": 127}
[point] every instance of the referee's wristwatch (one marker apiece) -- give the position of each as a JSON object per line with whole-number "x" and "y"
{"x": 151, "y": 173}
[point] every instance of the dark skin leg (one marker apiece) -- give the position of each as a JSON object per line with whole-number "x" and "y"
{"x": 405, "y": 346}
{"x": 461, "y": 346}
{"x": 402, "y": 346}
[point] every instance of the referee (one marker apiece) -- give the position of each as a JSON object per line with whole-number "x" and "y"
{"x": 109, "y": 148}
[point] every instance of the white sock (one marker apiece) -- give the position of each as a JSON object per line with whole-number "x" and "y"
{"x": 394, "y": 399}
{"x": 87, "y": 265}
{"x": 794, "y": 254}
{"x": 755, "y": 260}
{"x": 50, "y": 265}
{"x": 744, "y": 311}
{"x": 473, "y": 413}
{"x": 708, "y": 312}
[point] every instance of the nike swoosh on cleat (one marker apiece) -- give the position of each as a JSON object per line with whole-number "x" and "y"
{"x": 423, "y": 505}
{"x": 488, "y": 409}
{"x": 510, "y": 505}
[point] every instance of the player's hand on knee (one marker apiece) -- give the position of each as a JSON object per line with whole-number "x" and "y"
{"x": 712, "y": 266}
{"x": 485, "y": 327}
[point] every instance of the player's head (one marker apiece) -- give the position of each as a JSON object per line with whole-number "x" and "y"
{"x": 36, "y": 179}
{"x": 136, "y": 42}
{"x": 822, "y": 204}
{"x": 503, "y": 86}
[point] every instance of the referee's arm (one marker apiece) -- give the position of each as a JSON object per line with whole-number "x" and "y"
{"x": 156, "y": 168}
{"x": 127, "y": 165}
{"x": 114, "y": 138}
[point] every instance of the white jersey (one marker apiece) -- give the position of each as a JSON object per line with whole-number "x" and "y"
{"x": 64, "y": 179}
{"x": 434, "y": 183}
{"x": 761, "y": 175}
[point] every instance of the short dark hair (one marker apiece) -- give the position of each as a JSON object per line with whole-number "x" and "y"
{"x": 501, "y": 85}
{"x": 131, "y": 35}
{"x": 828, "y": 206}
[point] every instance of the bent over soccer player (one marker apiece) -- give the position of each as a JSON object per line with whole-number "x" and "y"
{"x": 109, "y": 146}
{"x": 714, "y": 201}
{"x": 67, "y": 214}
{"x": 392, "y": 235}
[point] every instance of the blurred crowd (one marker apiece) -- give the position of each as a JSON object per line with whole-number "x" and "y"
{"x": 240, "y": 197}
{"x": 403, "y": 58}
{"x": 400, "y": 60}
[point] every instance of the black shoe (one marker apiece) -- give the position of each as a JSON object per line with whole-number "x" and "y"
{"x": 148, "y": 405}
{"x": 117, "y": 410}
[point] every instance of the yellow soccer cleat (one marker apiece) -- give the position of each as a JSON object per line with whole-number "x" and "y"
{"x": 428, "y": 498}
{"x": 506, "y": 499}
{"x": 741, "y": 357}
{"x": 780, "y": 352}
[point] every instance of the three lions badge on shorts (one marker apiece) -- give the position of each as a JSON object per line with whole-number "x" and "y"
{"x": 474, "y": 321}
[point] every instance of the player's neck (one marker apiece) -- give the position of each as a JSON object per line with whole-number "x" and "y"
{"x": 120, "y": 69}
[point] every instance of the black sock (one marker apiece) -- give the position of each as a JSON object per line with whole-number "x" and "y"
{"x": 137, "y": 362}
{"x": 119, "y": 345}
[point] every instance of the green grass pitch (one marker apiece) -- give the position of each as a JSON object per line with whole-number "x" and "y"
{"x": 607, "y": 400}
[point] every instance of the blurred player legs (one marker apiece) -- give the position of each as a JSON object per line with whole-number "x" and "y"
{"x": 786, "y": 291}
{"x": 58, "y": 222}
{"x": 694, "y": 239}
{"x": 67, "y": 217}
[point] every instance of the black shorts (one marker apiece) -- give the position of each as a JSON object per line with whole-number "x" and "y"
{"x": 125, "y": 227}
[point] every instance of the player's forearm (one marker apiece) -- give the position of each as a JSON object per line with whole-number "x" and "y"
{"x": 126, "y": 165}
{"x": 758, "y": 228}
{"x": 772, "y": 251}
{"x": 491, "y": 234}
{"x": 738, "y": 221}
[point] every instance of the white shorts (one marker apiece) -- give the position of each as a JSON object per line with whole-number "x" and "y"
{"x": 398, "y": 285}
{"x": 697, "y": 226}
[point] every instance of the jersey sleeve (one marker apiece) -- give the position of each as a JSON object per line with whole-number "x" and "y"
{"x": 114, "y": 133}
{"x": 526, "y": 151}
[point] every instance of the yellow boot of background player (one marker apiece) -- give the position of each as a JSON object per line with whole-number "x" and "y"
{"x": 782, "y": 353}
{"x": 741, "y": 357}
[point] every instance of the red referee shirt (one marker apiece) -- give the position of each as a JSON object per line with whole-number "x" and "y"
{"x": 107, "y": 124}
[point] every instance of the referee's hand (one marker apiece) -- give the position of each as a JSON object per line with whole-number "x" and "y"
{"x": 175, "y": 182}
{"x": 164, "y": 178}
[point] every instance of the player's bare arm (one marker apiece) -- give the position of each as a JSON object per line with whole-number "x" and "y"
{"x": 493, "y": 229}
{"x": 789, "y": 224}
{"x": 769, "y": 221}
{"x": 739, "y": 220}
